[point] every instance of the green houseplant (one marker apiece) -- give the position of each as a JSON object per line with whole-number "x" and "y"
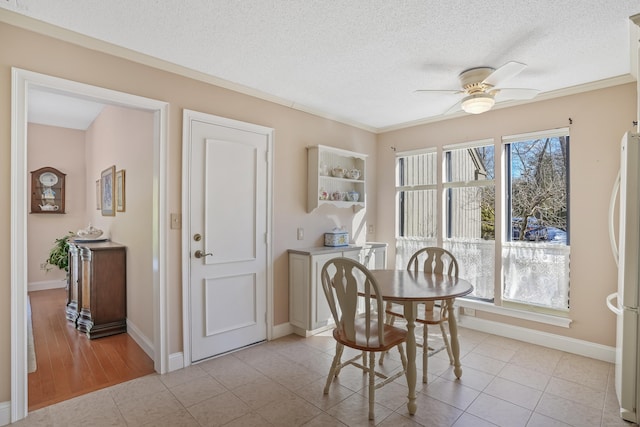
{"x": 59, "y": 253}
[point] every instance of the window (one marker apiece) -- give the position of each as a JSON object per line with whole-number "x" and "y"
{"x": 469, "y": 207}
{"x": 417, "y": 200}
{"x": 535, "y": 254}
{"x": 456, "y": 207}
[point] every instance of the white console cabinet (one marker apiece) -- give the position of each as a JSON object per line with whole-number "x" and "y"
{"x": 309, "y": 312}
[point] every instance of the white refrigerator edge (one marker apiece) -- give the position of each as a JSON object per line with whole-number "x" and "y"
{"x": 624, "y": 302}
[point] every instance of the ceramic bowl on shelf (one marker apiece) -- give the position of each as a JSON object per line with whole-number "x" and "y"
{"x": 353, "y": 196}
{"x": 89, "y": 233}
{"x": 338, "y": 172}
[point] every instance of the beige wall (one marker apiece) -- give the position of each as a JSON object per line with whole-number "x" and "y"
{"x": 64, "y": 150}
{"x": 294, "y": 130}
{"x": 599, "y": 118}
{"x": 123, "y": 138}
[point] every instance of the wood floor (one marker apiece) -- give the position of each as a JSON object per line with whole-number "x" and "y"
{"x": 68, "y": 363}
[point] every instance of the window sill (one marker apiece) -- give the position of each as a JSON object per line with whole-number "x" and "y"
{"x": 563, "y": 322}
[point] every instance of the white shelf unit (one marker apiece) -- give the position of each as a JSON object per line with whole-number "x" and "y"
{"x": 331, "y": 157}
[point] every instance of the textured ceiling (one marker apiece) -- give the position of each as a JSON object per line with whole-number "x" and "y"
{"x": 360, "y": 61}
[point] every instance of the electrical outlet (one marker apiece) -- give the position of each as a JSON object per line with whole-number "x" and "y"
{"x": 300, "y": 233}
{"x": 371, "y": 229}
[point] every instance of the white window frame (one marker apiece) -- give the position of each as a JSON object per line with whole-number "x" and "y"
{"x": 467, "y": 247}
{"x": 516, "y": 311}
{"x": 549, "y": 133}
{"x": 405, "y": 188}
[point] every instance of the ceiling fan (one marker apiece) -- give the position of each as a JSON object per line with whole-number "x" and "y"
{"x": 481, "y": 87}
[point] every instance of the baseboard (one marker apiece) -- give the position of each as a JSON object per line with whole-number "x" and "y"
{"x": 545, "y": 339}
{"x": 145, "y": 343}
{"x": 5, "y": 413}
{"x": 47, "y": 284}
{"x": 176, "y": 361}
{"x": 281, "y": 330}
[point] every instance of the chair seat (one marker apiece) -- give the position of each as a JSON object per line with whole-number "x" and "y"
{"x": 392, "y": 337}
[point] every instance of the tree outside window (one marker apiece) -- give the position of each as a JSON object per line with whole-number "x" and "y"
{"x": 535, "y": 255}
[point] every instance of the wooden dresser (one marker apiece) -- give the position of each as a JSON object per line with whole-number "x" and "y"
{"x": 97, "y": 295}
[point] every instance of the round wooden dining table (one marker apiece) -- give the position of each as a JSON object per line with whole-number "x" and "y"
{"x": 410, "y": 288}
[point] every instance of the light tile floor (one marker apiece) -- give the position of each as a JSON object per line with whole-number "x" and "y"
{"x": 505, "y": 383}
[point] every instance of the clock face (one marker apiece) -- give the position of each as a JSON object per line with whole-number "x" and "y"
{"x": 48, "y": 179}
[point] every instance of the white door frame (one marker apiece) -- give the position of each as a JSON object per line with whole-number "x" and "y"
{"x": 21, "y": 81}
{"x": 187, "y": 117}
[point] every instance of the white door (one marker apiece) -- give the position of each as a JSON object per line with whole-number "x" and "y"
{"x": 228, "y": 224}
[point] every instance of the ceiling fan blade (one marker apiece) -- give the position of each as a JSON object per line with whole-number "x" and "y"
{"x": 505, "y": 72}
{"x": 514, "y": 93}
{"x": 450, "y": 91}
{"x": 455, "y": 107}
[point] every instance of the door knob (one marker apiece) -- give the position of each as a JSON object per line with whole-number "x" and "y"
{"x": 200, "y": 254}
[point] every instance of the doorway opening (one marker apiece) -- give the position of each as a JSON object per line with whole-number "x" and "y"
{"x": 22, "y": 82}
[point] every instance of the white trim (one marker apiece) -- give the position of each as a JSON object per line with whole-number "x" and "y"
{"x": 19, "y": 396}
{"x": 469, "y": 144}
{"x": 176, "y": 361}
{"x": 549, "y": 133}
{"x": 189, "y": 116}
{"x": 5, "y": 413}
{"x": 416, "y": 152}
{"x": 46, "y": 284}
{"x": 547, "y": 319}
{"x": 545, "y": 339}
{"x": 136, "y": 334}
{"x": 281, "y": 330}
{"x": 21, "y": 82}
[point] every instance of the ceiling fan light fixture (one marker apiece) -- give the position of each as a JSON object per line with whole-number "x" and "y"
{"x": 478, "y": 103}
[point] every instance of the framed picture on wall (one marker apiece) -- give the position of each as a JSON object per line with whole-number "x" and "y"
{"x": 98, "y": 195}
{"x": 120, "y": 191}
{"x": 106, "y": 190}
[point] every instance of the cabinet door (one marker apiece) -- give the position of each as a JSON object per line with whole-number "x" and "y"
{"x": 299, "y": 290}
{"x": 320, "y": 312}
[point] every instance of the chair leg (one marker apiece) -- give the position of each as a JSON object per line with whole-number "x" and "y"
{"x": 425, "y": 352}
{"x": 389, "y": 320}
{"x": 372, "y": 383}
{"x": 445, "y": 338}
{"x": 335, "y": 367}
{"x": 382, "y": 354}
{"x": 403, "y": 357}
